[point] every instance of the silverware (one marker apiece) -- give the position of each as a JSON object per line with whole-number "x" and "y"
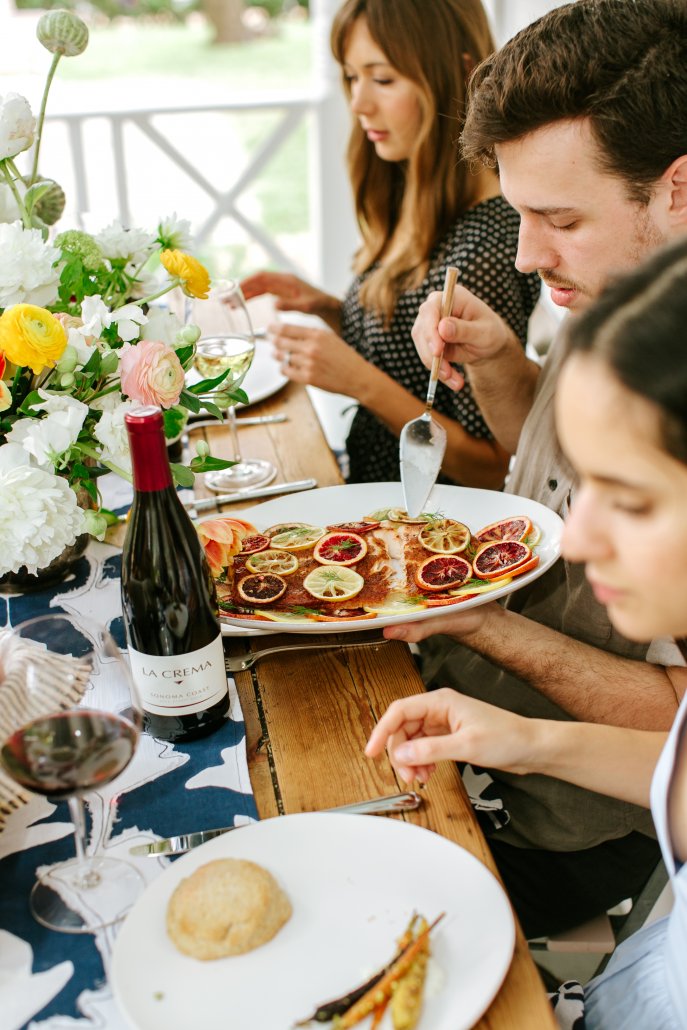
{"x": 247, "y": 420}
{"x": 240, "y": 664}
{"x": 423, "y": 440}
{"x": 187, "y": 841}
{"x": 249, "y": 495}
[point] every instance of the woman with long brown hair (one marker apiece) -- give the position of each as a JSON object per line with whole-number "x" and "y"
{"x": 405, "y": 65}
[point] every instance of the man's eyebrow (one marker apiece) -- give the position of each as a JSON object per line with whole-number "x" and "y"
{"x": 551, "y": 210}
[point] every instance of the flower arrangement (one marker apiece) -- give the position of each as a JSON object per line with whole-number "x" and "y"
{"x": 81, "y": 341}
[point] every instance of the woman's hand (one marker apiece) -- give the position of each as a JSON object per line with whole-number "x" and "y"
{"x": 470, "y": 335}
{"x": 441, "y": 725}
{"x": 293, "y": 294}
{"x": 319, "y": 357}
{"x": 461, "y": 625}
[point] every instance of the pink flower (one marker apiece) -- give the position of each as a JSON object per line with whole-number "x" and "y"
{"x": 222, "y": 539}
{"x": 151, "y": 373}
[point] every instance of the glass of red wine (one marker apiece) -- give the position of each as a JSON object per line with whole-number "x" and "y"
{"x": 70, "y": 719}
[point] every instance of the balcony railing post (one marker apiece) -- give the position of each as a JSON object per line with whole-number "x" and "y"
{"x": 332, "y": 216}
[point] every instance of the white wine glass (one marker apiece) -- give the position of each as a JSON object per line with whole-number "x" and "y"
{"x": 227, "y": 343}
{"x": 70, "y": 720}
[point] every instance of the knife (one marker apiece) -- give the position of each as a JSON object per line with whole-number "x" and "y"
{"x": 249, "y": 495}
{"x": 187, "y": 841}
{"x": 241, "y": 420}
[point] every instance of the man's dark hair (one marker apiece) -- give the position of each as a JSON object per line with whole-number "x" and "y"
{"x": 620, "y": 63}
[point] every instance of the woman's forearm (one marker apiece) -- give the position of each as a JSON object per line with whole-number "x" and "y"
{"x": 607, "y": 759}
{"x": 472, "y": 462}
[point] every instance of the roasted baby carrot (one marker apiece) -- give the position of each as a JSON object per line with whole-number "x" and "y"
{"x": 383, "y": 988}
{"x": 337, "y": 1006}
{"x": 406, "y": 999}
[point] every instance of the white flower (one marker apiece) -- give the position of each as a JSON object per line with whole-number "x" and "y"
{"x": 17, "y": 125}
{"x": 9, "y": 210}
{"x": 79, "y": 340}
{"x": 96, "y": 317}
{"x": 118, "y": 243}
{"x": 163, "y": 325}
{"x": 27, "y": 267}
{"x": 175, "y": 233}
{"x": 39, "y": 515}
{"x": 129, "y": 319}
{"x": 46, "y": 439}
{"x": 111, "y": 430}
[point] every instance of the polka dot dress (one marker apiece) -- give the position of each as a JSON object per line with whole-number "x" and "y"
{"x": 482, "y": 244}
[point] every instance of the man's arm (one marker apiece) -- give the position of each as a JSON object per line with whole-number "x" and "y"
{"x": 588, "y": 683}
{"x": 503, "y": 379}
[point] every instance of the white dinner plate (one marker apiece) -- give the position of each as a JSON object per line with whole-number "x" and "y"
{"x": 263, "y": 378}
{"x": 353, "y": 882}
{"x": 476, "y": 508}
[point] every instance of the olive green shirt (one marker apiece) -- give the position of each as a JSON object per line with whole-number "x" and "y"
{"x": 544, "y": 812}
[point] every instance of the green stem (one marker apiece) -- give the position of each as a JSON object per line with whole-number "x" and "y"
{"x": 26, "y": 220}
{"x": 91, "y": 452}
{"x": 154, "y": 296}
{"x": 41, "y": 116}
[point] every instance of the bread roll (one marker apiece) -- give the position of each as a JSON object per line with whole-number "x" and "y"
{"x": 226, "y": 907}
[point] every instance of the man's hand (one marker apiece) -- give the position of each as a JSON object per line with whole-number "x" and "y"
{"x": 441, "y": 725}
{"x": 472, "y": 334}
{"x": 459, "y": 624}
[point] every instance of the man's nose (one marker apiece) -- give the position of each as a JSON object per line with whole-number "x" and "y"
{"x": 534, "y": 252}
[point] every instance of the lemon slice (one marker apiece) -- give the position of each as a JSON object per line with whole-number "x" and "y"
{"x": 445, "y": 536}
{"x": 282, "y": 563}
{"x": 283, "y": 616}
{"x": 482, "y": 588}
{"x": 334, "y": 583}
{"x": 295, "y": 537}
{"x": 398, "y": 604}
{"x": 533, "y": 537}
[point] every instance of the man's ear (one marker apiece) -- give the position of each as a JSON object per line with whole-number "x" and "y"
{"x": 675, "y": 178}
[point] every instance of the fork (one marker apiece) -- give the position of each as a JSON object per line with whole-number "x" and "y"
{"x": 242, "y": 663}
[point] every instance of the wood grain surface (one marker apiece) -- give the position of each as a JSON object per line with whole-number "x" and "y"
{"x": 308, "y": 715}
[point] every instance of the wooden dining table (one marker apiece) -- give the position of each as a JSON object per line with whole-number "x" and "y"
{"x": 308, "y": 714}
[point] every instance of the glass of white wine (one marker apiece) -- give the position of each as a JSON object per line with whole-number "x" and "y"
{"x": 227, "y": 344}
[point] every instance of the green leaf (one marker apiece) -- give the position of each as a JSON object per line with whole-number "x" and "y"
{"x": 210, "y": 464}
{"x": 184, "y": 354}
{"x": 92, "y": 366}
{"x": 110, "y": 517}
{"x": 239, "y": 395}
{"x": 189, "y": 401}
{"x": 26, "y": 407}
{"x": 34, "y": 194}
{"x": 207, "y": 385}
{"x": 182, "y": 475}
{"x": 173, "y": 419}
{"x": 212, "y": 409}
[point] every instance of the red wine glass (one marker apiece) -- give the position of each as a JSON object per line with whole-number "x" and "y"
{"x": 70, "y": 719}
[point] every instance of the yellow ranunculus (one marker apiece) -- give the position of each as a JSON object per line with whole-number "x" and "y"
{"x": 31, "y": 336}
{"x": 194, "y": 276}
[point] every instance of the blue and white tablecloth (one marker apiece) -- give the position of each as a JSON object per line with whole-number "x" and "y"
{"x": 58, "y": 981}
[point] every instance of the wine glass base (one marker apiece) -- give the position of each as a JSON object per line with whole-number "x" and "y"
{"x": 76, "y": 898}
{"x": 247, "y": 473}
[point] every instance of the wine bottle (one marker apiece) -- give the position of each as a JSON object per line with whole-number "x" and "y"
{"x": 168, "y": 598}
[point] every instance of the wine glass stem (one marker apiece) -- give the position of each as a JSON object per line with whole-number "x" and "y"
{"x": 233, "y": 429}
{"x": 85, "y": 876}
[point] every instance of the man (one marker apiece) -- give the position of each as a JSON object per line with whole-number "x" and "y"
{"x": 584, "y": 112}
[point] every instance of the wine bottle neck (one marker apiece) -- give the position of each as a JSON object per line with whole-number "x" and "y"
{"x": 149, "y": 461}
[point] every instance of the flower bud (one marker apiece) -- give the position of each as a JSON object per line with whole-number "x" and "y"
{"x": 188, "y": 335}
{"x": 109, "y": 363}
{"x": 69, "y": 359}
{"x": 202, "y": 448}
{"x": 62, "y": 32}
{"x": 95, "y": 524}
{"x": 67, "y": 380}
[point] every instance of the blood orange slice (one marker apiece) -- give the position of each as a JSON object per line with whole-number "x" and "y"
{"x": 445, "y": 536}
{"x": 340, "y": 549}
{"x": 353, "y": 527}
{"x": 501, "y": 558}
{"x": 515, "y": 528}
{"x": 443, "y": 571}
{"x": 256, "y": 542}
{"x": 262, "y": 588}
